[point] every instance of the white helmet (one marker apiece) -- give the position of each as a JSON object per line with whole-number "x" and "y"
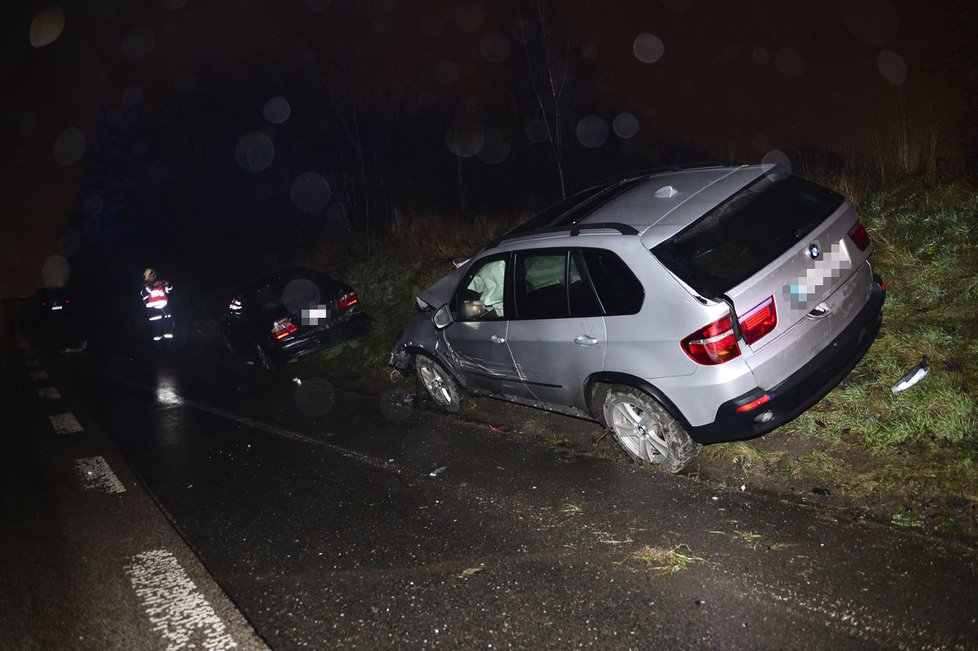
{"x": 149, "y": 272}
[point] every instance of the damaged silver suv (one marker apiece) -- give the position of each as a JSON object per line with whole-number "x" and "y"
{"x": 678, "y": 308}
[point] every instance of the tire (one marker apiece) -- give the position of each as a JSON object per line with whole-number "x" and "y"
{"x": 646, "y": 431}
{"x": 441, "y": 386}
{"x": 263, "y": 359}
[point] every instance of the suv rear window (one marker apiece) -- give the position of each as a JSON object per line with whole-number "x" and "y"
{"x": 747, "y": 232}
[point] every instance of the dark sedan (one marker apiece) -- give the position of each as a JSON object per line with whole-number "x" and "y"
{"x": 292, "y": 313}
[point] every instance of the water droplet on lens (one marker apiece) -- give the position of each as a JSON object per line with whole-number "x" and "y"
{"x": 625, "y": 125}
{"x": 892, "y": 67}
{"x": 432, "y": 25}
{"x": 465, "y": 137}
{"x": 173, "y": 5}
{"x": 277, "y": 110}
{"x": 762, "y": 55}
{"x": 255, "y": 152}
{"x": 790, "y": 62}
{"x": 536, "y": 131}
{"x": 92, "y": 205}
{"x": 589, "y": 52}
{"x": 132, "y": 96}
{"x": 56, "y": 271}
{"x": 47, "y": 26}
{"x": 186, "y": 82}
{"x": 315, "y": 397}
{"x": 470, "y": 17}
{"x": 310, "y": 192}
{"x": 300, "y": 294}
{"x": 779, "y": 158}
{"x": 69, "y": 146}
{"x": 524, "y": 30}
{"x": 137, "y": 43}
{"x": 592, "y": 131}
{"x": 497, "y": 147}
{"x": 495, "y": 47}
{"x": 446, "y": 73}
{"x": 872, "y": 21}
{"x": 648, "y": 48}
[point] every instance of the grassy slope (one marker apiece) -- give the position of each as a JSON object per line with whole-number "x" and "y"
{"x": 913, "y": 452}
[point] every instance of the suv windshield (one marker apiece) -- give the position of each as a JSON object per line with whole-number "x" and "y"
{"x": 747, "y": 232}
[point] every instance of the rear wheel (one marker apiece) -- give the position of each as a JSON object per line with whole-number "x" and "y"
{"x": 441, "y": 386}
{"x": 646, "y": 431}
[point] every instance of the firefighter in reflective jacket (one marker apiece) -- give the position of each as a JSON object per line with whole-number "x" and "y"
{"x": 156, "y": 297}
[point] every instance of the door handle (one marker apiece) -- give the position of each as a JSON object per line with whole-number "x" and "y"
{"x": 496, "y": 339}
{"x": 584, "y": 340}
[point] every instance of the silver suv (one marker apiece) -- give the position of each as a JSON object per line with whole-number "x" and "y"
{"x": 678, "y": 307}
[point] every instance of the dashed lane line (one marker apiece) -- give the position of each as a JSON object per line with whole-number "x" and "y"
{"x": 174, "y": 605}
{"x": 49, "y": 393}
{"x": 65, "y": 423}
{"x": 95, "y": 474}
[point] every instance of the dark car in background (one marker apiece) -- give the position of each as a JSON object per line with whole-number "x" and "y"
{"x": 53, "y": 319}
{"x": 290, "y": 314}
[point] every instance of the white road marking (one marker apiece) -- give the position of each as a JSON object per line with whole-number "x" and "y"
{"x": 66, "y": 424}
{"x": 95, "y": 474}
{"x": 175, "y": 607}
{"x": 49, "y": 393}
{"x": 39, "y": 375}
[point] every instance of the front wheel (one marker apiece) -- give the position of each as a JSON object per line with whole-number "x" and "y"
{"x": 441, "y": 386}
{"x": 646, "y": 431}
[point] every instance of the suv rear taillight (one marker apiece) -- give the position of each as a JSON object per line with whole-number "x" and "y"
{"x": 283, "y": 328}
{"x": 714, "y": 344}
{"x": 859, "y": 236}
{"x": 717, "y": 342}
{"x": 759, "y": 321}
{"x": 347, "y": 300}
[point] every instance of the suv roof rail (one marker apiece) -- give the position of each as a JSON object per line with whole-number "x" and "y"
{"x": 575, "y": 230}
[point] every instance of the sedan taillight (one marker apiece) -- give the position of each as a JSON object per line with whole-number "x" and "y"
{"x": 347, "y": 300}
{"x": 283, "y": 328}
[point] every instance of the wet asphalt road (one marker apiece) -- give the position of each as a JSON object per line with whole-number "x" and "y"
{"x": 316, "y": 511}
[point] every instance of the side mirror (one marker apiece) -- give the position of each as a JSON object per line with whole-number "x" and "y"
{"x": 442, "y": 317}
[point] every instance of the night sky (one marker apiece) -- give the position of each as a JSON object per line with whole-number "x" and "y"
{"x": 851, "y": 82}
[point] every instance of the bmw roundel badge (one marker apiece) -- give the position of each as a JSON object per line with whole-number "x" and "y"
{"x": 814, "y": 251}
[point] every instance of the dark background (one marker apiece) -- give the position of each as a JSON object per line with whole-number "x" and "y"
{"x": 219, "y": 139}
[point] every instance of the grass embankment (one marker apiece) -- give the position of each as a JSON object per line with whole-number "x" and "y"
{"x": 911, "y": 454}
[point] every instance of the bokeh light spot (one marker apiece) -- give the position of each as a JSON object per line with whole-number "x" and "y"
{"x": 69, "y": 146}
{"x": 648, "y": 48}
{"x": 778, "y": 158}
{"x": 255, "y": 152}
{"x": 56, "y": 271}
{"x": 47, "y": 26}
{"x": 173, "y": 5}
{"x": 589, "y": 52}
{"x": 497, "y": 147}
{"x": 132, "y": 96}
{"x": 138, "y": 43}
{"x": 317, "y": 6}
{"x": 186, "y": 82}
{"x": 277, "y": 110}
{"x": 470, "y": 17}
{"x": 524, "y": 30}
{"x": 315, "y": 397}
{"x": 892, "y": 67}
{"x": 157, "y": 171}
{"x": 310, "y": 192}
{"x": 92, "y": 205}
{"x": 592, "y": 131}
{"x": 677, "y": 5}
{"x": 26, "y": 124}
{"x": 762, "y": 55}
{"x": 536, "y": 130}
{"x": 625, "y": 125}
{"x": 447, "y": 73}
{"x": 300, "y": 294}
{"x": 495, "y": 47}
{"x": 790, "y": 62}
{"x": 871, "y": 21}
{"x": 432, "y": 25}
{"x": 465, "y": 137}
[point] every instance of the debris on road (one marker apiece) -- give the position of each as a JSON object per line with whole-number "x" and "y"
{"x": 437, "y": 471}
{"x": 911, "y": 377}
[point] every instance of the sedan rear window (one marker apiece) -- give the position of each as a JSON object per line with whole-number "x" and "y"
{"x": 747, "y": 232}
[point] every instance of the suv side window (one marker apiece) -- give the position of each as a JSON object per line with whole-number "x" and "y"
{"x": 550, "y": 284}
{"x": 618, "y": 288}
{"x": 482, "y": 294}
